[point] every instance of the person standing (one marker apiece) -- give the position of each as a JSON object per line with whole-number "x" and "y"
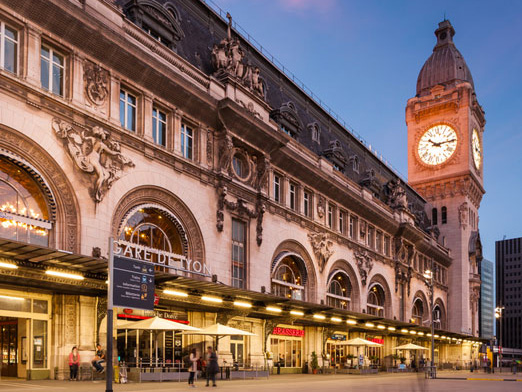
{"x": 193, "y": 368}
{"x": 212, "y": 366}
{"x": 74, "y": 362}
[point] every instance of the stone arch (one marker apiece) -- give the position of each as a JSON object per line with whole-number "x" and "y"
{"x": 443, "y": 315}
{"x": 381, "y": 280}
{"x": 152, "y": 195}
{"x": 343, "y": 265}
{"x": 419, "y": 295}
{"x": 54, "y": 182}
{"x": 296, "y": 248}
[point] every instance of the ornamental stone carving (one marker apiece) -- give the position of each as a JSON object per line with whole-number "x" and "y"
{"x": 463, "y": 215}
{"x": 321, "y": 206}
{"x": 96, "y": 80}
{"x": 364, "y": 264}
{"x": 396, "y": 194}
{"x": 322, "y": 247}
{"x": 226, "y": 148}
{"x": 263, "y": 169}
{"x": 95, "y": 153}
{"x": 228, "y": 60}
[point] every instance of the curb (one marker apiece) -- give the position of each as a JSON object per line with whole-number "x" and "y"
{"x": 479, "y": 379}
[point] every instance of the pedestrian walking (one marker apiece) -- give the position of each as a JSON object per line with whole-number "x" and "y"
{"x": 193, "y": 367}
{"x": 74, "y": 362}
{"x": 212, "y": 366}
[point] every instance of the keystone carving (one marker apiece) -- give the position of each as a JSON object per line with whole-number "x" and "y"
{"x": 322, "y": 247}
{"x": 95, "y": 153}
{"x": 96, "y": 80}
{"x": 364, "y": 264}
{"x": 228, "y": 59}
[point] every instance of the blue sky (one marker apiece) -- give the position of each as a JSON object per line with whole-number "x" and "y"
{"x": 363, "y": 58}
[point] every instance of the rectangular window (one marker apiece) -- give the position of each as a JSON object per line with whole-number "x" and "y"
{"x": 330, "y": 216}
{"x": 351, "y": 226}
{"x": 238, "y": 253}
{"x": 306, "y": 203}
{"x": 127, "y": 111}
{"x": 277, "y": 188}
{"x": 52, "y": 70}
{"x": 378, "y": 242}
{"x": 362, "y": 232}
{"x": 371, "y": 237}
{"x": 187, "y": 142}
{"x": 8, "y": 48}
{"x": 341, "y": 222}
{"x": 159, "y": 127}
{"x": 293, "y": 191}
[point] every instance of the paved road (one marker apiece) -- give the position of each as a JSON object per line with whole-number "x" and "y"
{"x": 291, "y": 383}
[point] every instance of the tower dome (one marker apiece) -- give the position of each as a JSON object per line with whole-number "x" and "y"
{"x": 445, "y": 66}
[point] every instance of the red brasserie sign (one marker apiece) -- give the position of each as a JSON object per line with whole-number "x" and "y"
{"x": 288, "y": 332}
{"x": 377, "y": 340}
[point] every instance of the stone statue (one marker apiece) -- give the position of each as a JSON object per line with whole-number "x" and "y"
{"x": 93, "y": 152}
{"x": 396, "y": 194}
{"x": 263, "y": 169}
{"x": 225, "y": 153}
{"x": 321, "y": 205}
{"x": 322, "y": 248}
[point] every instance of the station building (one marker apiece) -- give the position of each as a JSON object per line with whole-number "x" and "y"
{"x": 158, "y": 124}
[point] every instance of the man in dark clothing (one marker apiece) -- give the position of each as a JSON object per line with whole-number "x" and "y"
{"x": 98, "y": 359}
{"x": 212, "y": 366}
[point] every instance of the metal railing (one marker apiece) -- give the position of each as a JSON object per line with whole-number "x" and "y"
{"x": 299, "y": 84}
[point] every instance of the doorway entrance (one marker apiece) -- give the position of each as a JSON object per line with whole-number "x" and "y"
{"x": 9, "y": 346}
{"x": 237, "y": 348}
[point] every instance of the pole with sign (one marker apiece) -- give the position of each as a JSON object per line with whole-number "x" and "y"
{"x": 108, "y": 354}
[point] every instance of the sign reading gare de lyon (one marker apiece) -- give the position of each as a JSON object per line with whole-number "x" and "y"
{"x": 174, "y": 261}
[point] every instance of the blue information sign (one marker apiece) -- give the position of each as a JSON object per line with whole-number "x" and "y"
{"x": 133, "y": 285}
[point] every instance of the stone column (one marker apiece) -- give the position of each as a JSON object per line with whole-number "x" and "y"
{"x": 32, "y": 63}
{"x": 114, "y": 110}
{"x": 146, "y": 118}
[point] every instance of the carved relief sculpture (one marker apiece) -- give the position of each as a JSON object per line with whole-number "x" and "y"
{"x": 226, "y": 148}
{"x": 228, "y": 59}
{"x": 396, "y": 194}
{"x": 260, "y": 210}
{"x": 463, "y": 215}
{"x": 220, "y": 216}
{"x": 96, "y": 81}
{"x": 322, "y": 248}
{"x": 263, "y": 169}
{"x": 364, "y": 264}
{"x": 94, "y": 153}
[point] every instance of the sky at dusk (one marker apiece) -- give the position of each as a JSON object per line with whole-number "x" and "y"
{"x": 362, "y": 58}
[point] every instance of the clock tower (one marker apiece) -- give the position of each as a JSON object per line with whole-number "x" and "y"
{"x": 445, "y": 165}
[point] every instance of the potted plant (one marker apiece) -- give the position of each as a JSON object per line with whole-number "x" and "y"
{"x": 314, "y": 363}
{"x": 402, "y": 359}
{"x": 395, "y": 358}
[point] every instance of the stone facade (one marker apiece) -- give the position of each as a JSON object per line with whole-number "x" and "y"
{"x": 243, "y": 147}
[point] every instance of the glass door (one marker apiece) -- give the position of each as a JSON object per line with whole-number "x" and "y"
{"x": 9, "y": 346}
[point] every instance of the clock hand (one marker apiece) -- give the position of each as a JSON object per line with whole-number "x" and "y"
{"x": 434, "y": 143}
{"x": 447, "y": 141}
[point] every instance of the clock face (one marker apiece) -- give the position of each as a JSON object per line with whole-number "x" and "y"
{"x": 437, "y": 144}
{"x": 477, "y": 150}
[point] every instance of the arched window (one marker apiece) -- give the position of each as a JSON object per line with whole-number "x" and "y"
{"x": 154, "y": 228}
{"x": 434, "y": 220}
{"x": 24, "y": 213}
{"x": 443, "y": 215}
{"x": 417, "y": 311}
{"x": 375, "y": 301}
{"x": 288, "y": 278}
{"x": 339, "y": 291}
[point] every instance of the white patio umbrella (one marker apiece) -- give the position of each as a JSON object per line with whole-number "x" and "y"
{"x": 359, "y": 342}
{"x": 219, "y": 331}
{"x": 156, "y": 324}
{"x": 410, "y": 346}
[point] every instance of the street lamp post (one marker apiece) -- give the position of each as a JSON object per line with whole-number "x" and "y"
{"x": 498, "y": 315}
{"x": 428, "y": 275}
